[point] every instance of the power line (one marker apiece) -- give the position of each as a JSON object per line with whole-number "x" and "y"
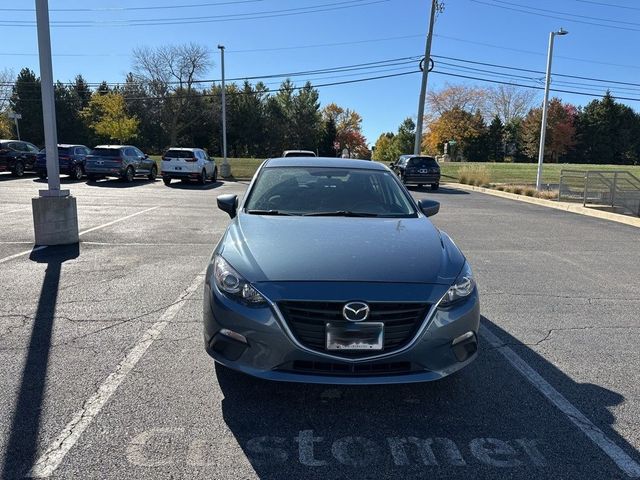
{"x": 200, "y": 19}
{"x": 124, "y": 9}
{"x": 608, "y": 4}
{"x": 617, "y": 27}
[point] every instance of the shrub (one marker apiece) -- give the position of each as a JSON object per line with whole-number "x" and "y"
{"x": 517, "y": 189}
{"x": 548, "y": 194}
{"x": 529, "y": 191}
{"x": 474, "y": 175}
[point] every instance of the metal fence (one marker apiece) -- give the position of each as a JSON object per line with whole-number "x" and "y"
{"x": 610, "y": 188}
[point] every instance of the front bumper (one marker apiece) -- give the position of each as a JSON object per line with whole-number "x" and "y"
{"x": 271, "y": 352}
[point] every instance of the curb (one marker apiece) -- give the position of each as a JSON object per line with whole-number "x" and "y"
{"x": 567, "y": 207}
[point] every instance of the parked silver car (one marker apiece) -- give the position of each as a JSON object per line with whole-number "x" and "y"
{"x": 123, "y": 161}
{"x": 330, "y": 272}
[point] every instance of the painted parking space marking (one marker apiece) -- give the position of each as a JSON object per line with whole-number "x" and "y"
{"x": 624, "y": 462}
{"x": 47, "y": 464}
{"x": 164, "y": 446}
{"x": 41, "y": 247}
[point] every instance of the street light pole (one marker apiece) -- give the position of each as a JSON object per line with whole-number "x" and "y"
{"x": 425, "y": 74}
{"x": 225, "y": 168}
{"x": 55, "y": 212}
{"x": 545, "y": 106}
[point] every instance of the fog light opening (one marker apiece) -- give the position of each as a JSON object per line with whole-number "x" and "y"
{"x": 464, "y": 346}
{"x": 234, "y": 335}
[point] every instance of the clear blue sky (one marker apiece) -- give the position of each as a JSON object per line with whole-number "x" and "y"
{"x": 604, "y": 45}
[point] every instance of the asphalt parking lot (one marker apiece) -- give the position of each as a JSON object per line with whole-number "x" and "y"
{"x": 104, "y": 374}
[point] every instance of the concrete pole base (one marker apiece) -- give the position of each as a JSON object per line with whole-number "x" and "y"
{"x": 55, "y": 220}
{"x": 225, "y": 170}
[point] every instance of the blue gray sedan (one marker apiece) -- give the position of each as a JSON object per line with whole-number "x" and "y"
{"x": 331, "y": 273}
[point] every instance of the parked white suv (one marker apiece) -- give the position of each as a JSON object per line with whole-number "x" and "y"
{"x": 298, "y": 153}
{"x": 188, "y": 164}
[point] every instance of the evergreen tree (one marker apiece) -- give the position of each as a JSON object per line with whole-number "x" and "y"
{"x": 27, "y": 100}
{"x": 495, "y": 145}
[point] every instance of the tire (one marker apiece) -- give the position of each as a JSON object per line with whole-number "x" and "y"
{"x": 77, "y": 172}
{"x": 91, "y": 178}
{"x": 202, "y": 179}
{"x": 154, "y": 174}
{"x": 129, "y": 174}
{"x": 215, "y": 175}
{"x": 166, "y": 180}
{"x": 18, "y": 169}
{"x": 420, "y": 185}
{"x": 435, "y": 186}
{"x": 42, "y": 175}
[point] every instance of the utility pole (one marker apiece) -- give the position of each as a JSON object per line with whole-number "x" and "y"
{"x": 545, "y": 105}
{"x": 436, "y": 6}
{"x": 225, "y": 168}
{"x": 55, "y": 214}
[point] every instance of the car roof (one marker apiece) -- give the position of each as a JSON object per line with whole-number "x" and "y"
{"x": 186, "y": 149}
{"x": 113, "y": 146}
{"x": 330, "y": 162}
{"x": 294, "y": 151}
{"x": 69, "y": 145}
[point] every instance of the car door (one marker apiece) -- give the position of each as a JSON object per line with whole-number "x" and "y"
{"x": 145, "y": 162}
{"x": 133, "y": 158}
{"x": 209, "y": 163}
{"x": 32, "y": 154}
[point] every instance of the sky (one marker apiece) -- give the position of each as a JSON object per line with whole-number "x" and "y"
{"x": 371, "y": 37}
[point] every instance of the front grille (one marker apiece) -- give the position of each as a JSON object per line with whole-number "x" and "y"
{"x": 345, "y": 369}
{"x": 307, "y": 321}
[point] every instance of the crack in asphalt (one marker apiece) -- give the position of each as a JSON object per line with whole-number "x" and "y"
{"x": 552, "y": 295}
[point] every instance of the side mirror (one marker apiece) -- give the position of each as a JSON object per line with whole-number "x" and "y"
{"x": 429, "y": 207}
{"x": 228, "y": 203}
{"x": 146, "y": 156}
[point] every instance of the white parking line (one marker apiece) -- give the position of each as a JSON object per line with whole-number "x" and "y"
{"x": 597, "y": 436}
{"x": 47, "y": 464}
{"x": 26, "y": 252}
{"x": 118, "y": 220}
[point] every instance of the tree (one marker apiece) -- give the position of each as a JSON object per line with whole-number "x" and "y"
{"x": 560, "y": 135}
{"x": 508, "y": 102}
{"x": 107, "y": 117}
{"x": 386, "y": 148}
{"x": 348, "y": 130}
{"x": 306, "y": 118}
{"x": 495, "y": 142}
{"x": 27, "y": 100}
{"x": 326, "y": 147}
{"x": 462, "y": 97}
{"x": 405, "y": 138}
{"x": 608, "y": 132}
{"x": 6, "y": 82}
{"x": 171, "y": 73}
{"x": 459, "y": 125}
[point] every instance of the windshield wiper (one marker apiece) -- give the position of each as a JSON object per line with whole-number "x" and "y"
{"x": 340, "y": 213}
{"x": 268, "y": 212}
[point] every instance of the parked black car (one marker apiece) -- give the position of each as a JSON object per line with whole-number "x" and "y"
{"x": 71, "y": 159}
{"x": 17, "y": 156}
{"x": 418, "y": 170}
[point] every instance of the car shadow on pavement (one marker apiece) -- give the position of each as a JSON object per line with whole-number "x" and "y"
{"x": 441, "y": 191}
{"x": 119, "y": 183}
{"x": 179, "y": 185}
{"x": 473, "y": 424}
{"x": 24, "y": 431}
{"x": 8, "y": 176}
{"x": 63, "y": 180}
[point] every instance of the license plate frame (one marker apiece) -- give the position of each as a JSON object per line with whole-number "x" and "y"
{"x": 354, "y": 337}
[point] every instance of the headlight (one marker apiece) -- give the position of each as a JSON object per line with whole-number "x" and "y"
{"x": 234, "y": 285}
{"x": 461, "y": 288}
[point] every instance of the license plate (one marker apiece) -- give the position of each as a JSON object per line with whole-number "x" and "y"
{"x": 356, "y": 336}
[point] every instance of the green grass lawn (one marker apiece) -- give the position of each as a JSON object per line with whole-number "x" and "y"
{"x": 525, "y": 173}
{"x": 517, "y": 173}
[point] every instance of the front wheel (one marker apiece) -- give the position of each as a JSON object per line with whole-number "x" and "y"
{"x": 435, "y": 186}
{"x": 42, "y": 175}
{"x": 166, "y": 180}
{"x": 18, "y": 169}
{"x": 154, "y": 174}
{"x": 77, "y": 172}
{"x": 215, "y": 175}
{"x": 202, "y": 179}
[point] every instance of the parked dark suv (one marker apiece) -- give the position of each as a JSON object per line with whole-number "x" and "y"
{"x": 17, "y": 156}
{"x": 124, "y": 161}
{"x": 71, "y": 159}
{"x": 418, "y": 170}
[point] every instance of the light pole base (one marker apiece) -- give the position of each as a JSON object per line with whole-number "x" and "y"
{"x": 225, "y": 170}
{"x": 55, "y": 220}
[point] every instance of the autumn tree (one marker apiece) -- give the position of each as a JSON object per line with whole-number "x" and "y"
{"x": 107, "y": 117}
{"x": 458, "y": 125}
{"x": 560, "y": 135}
{"x": 461, "y": 97}
{"x": 508, "y": 102}
{"x": 6, "y": 82}
{"x": 386, "y": 148}
{"x": 348, "y": 130}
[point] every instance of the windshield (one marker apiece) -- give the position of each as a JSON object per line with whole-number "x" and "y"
{"x": 328, "y": 191}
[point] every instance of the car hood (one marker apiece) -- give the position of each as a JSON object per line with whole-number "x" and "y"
{"x": 279, "y": 248}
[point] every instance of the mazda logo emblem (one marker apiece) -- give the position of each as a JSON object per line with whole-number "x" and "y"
{"x": 355, "y": 311}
